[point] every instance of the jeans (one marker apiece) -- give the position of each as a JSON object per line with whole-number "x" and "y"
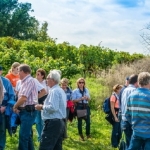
{"x": 137, "y": 142}
{"x": 52, "y": 135}
{"x": 126, "y": 127}
{"x": 39, "y": 124}
{"x": 87, "y": 120}
{"x": 2, "y": 131}
{"x": 116, "y": 134}
{"x": 25, "y": 133}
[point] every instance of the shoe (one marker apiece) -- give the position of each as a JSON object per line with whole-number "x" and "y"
{"x": 81, "y": 137}
{"x": 88, "y": 136}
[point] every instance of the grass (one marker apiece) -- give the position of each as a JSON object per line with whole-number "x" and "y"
{"x": 100, "y": 129}
{"x": 100, "y": 132}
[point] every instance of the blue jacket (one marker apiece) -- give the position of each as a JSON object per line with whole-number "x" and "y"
{"x": 8, "y": 101}
{"x": 9, "y": 95}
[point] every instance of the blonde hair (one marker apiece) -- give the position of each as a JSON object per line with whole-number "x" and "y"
{"x": 13, "y": 66}
{"x": 79, "y": 81}
{"x": 1, "y": 91}
{"x": 64, "y": 80}
{"x": 117, "y": 87}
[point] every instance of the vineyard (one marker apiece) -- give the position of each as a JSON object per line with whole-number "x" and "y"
{"x": 69, "y": 59}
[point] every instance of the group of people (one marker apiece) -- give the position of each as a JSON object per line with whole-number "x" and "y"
{"x": 46, "y": 101}
{"x": 130, "y": 107}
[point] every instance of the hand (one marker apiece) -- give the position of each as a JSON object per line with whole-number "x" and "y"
{"x": 86, "y": 98}
{"x": 116, "y": 119}
{"x": 39, "y": 107}
{"x": 15, "y": 110}
{"x": 2, "y": 109}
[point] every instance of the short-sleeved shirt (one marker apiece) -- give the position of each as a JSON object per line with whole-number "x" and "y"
{"x": 76, "y": 94}
{"x": 28, "y": 89}
{"x": 13, "y": 78}
{"x": 39, "y": 86}
{"x": 114, "y": 98}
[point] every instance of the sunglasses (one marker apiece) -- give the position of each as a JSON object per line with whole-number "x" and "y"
{"x": 81, "y": 82}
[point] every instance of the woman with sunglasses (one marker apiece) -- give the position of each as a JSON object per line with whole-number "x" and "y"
{"x": 40, "y": 76}
{"x": 81, "y": 98}
{"x": 114, "y": 103}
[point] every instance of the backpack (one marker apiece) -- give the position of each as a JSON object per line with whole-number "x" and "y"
{"x": 106, "y": 105}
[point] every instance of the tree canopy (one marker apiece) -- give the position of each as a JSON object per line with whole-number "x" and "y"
{"x": 16, "y": 21}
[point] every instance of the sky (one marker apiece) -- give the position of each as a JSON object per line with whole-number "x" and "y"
{"x": 114, "y": 24}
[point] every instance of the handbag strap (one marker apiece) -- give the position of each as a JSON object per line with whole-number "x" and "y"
{"x": 82, "y": 92}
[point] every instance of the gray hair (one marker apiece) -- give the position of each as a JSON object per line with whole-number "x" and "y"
{"x": 144, "y": 78}
{"x": 55, "y": 75}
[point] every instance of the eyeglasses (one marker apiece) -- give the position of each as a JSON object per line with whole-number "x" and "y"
{"x": 81, "y": 82}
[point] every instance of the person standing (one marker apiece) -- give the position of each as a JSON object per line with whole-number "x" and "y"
{"x": 64, "y": 85}
{"x": 25, "y": 106}
{"x": 114, "y": 104}
{"x": 53, "y": 113}
{"x": 125, "y": 125}
{"x": 8, "y": 96}
{"x": 138, "y": 113}
{"x": 13, "y": 75}
{"x": 81, "y": 97}
{"x": 40, "y": 76}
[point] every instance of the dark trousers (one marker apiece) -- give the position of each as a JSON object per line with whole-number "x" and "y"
{"x": 116, "y": 134}
{"x": 2, "y": 131}
{"x": 52, "y": 135}
{"x": 87, "y": 120}
{"x": 126, "y": 127}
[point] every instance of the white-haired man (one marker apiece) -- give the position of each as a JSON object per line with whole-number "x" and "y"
{"x": 53, "y": 113}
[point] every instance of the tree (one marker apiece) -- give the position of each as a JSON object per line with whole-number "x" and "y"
{"x": 146, "y": 37}
{"x": 15, "y": 21}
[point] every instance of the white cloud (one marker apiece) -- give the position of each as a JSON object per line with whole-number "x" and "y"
{"x": 114, "y": 22}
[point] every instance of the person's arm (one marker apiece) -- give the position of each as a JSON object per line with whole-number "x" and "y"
{"x": 128, "y": 111}
{"x": 112, "y": 105}
{"x": 87, "y": 95}
{"x": 19, "y": 102}
{"x": 75, "y": 98}
{"x": 42, "y": 93}
{"x": 41, "y": 89}
{"x": 52, "y": 102}
{"x": 9, "y": 94}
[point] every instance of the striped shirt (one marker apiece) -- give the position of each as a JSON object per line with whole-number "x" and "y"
{"x": 28, "y": 89}
{"x": 138, "y": 112}
{"x": 55, "y": 104}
